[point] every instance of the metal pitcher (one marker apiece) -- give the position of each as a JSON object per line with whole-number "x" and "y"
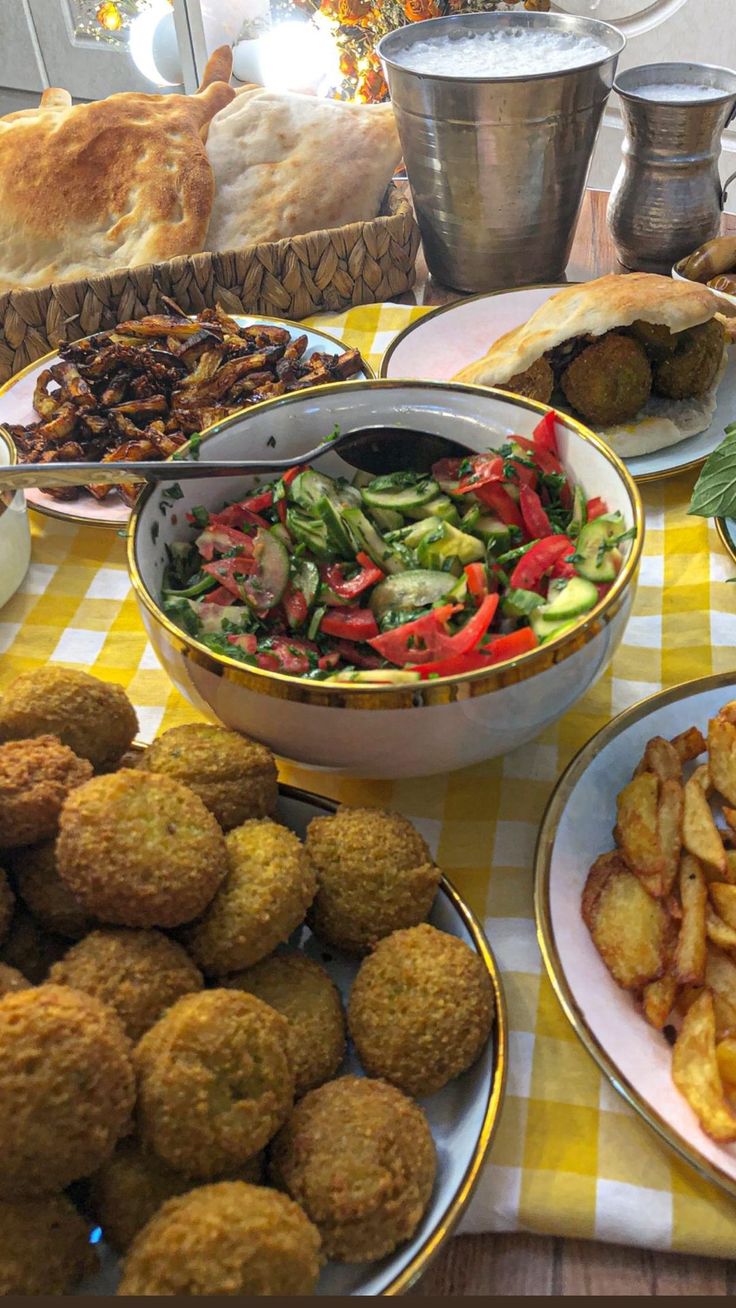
{"x": 667, "y": 198}
{"x": 497, "y": 166}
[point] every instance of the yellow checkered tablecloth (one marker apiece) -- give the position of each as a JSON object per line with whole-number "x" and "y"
{"x": 569, "y": 1158}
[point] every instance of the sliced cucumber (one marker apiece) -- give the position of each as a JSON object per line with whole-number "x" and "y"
{"x": 305, "y": 577}
{"x": 213, "y": 616}
{"x": 264, "y": 588}
{"x": 338, "y": 530}
{"x": 400, "y": 498}
{"x": 308, "y": 488}
{"x": 518, "y": 603}
{"x": 386, "y": 519}
{"x": 447, "y": 542}
{"x": 416, "y": 588}
{"x": 440, "y": 507}
{"x": 546, "y": 630}
{"x": 382, "y": 676}
{"x": 573, "y": 598}
{"x": 495, "y": 533}
{"x": 373, "y": 543}
{"x": 310, "y": 532}
{"x": 579, "y": 511}
{"x": 596, "y": 556}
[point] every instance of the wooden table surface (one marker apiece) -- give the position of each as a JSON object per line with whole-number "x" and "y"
{"x": 543, "y": 1265}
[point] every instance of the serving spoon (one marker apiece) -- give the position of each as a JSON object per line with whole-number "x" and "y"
{"x": 377, "y": 450}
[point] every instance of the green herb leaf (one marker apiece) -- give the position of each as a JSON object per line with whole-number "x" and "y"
{"x": 715, "y": 490}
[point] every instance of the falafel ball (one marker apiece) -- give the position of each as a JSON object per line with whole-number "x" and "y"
{"x": 138, "y": 973}
{"x": 264, "y": 897}
{"x": 231, "y": 1239}
{"x": 610, "y": 381}
{"x": 535, "y": 383}
{"x": 421, "y": 1009}
{"x": 44, "y": 893}
{"x": 360, "y": 1159}
{"x": 29, "y": 949}
{"x": 7, "y": 904}
{"x": 214, "y": 1081}
{"x": 44, "y": 1248}
{"x": 374, "y": 875}
{"x": 304, "y": 994}
{"x": 132, "y": 1185}
{"x": 234, "y": 776}
{"x": 138, "y": 849}
{"x": 66, "y": 1088}
{"x": 11, "y": 980}
{"x": 693, "y": 367}
{"x": 658, "y": 340}
{"x": 35, "y": 778}
{"x": 94, "y": 718}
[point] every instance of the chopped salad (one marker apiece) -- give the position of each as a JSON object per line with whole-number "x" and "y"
{"x": 401, "y": 577}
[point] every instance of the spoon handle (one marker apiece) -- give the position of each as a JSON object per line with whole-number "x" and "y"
{"x": 42, "y": 476}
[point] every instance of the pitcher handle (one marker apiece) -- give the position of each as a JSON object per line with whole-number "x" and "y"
{"x": 724, "y": 189}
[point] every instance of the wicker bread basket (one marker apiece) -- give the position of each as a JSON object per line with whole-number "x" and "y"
{"x": 327, "y": 270}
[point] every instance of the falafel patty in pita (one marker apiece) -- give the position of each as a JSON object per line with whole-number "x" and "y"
{"x": 635, "y": 356}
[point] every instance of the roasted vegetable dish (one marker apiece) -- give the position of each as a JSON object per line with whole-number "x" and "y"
{"x": 140, "y": 391}
{"x": 400, "y": 577}
{"x": 661, "y": 909}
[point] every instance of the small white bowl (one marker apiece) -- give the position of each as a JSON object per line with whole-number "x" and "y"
{"x": 385, "y": 730}
{"x": 679, "y": 277}
{"x": 15, "y": 534}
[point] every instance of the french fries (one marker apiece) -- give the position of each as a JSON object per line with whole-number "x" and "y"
{"x": 661, "y": 908}
{"x": 695, "y": 1071}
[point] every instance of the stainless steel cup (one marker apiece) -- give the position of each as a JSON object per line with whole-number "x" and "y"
{"x": 497, "y": 166}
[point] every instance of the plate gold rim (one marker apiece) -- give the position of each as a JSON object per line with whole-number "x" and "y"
{"x": 545, "y": 933}
{"x": 81, "y": 519}
{"x": 725, "y": 538}
{"x": 642, "y": 478}
{"x": 448, "y": 1220}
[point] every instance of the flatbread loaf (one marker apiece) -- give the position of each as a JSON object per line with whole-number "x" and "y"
{"x": 91, "y": 188}
{"x": 592, "y": 309}
{"x": 286, "y": 164}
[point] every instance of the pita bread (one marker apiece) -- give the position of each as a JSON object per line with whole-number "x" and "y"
{"x": 286, "y": 164}
{"x": 592, "y": 309}
{"x": 91, "y": 188}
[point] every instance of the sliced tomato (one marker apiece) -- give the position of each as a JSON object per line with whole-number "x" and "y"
{"x": 596, "y": 507}
{"x": 281, "y": 509}
{"x": 496, "y": 497}
{"x": 477, "y": 578}
{"x": 535, "y": 519}
{"x": 522, "y": 475}
{"x": 257, "y": 503}
{"x": 369, "y": 575}
{"x": 328, "y": 661}
{"x": 485, "y": 469}
{"x": 419, "y": 641}
{"x": 603, "y": 588}
{"x": 538, "y": 560}
{"x": 238, "y": 515}
{"x": 292, "y": 473}
{"x": 359, "y": 656}
{"x": 294, "y": 657}
{"x": 219, "y": 596}
{"x": 246, "y": 642}
{"x": 350, "y": 624}
{"x": 295, "y": 607}
{"x": 222, "y": 539}
{"x": 511, "y": 646}
{"x": 232, "y": 573}
{"x": 545, "y": 433}
{"x": 563, "y": 569}
{"x": 454, "y": 666}
{"x": 446, "y": 473}
{"x": 544, "y": 459}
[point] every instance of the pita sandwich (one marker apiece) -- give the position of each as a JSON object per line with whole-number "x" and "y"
{"x": 91, "y": 188}
{"x": 287, "y": 164}
{"x": 660, "y": 316}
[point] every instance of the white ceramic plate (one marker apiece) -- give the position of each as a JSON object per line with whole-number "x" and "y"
{"x": 16, "y": 406}
{"x": 436, "y": 347}
{"x": 463, "y": 1116}
{"x": 575, "y": 830}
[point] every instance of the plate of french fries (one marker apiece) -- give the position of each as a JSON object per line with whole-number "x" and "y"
{"x": 142, "y": 390}
{"x": 635, "y": 899}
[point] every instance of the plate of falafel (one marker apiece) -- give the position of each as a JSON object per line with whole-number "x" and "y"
{"x": 643, "y": 360}
{"x": 250, "y": 1042}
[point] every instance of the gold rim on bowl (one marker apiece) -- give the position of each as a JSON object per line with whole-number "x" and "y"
{"x": 642, "y": 478}
{"x": 6, "y": 497}
{"x": 443, "y": 690}
{"x": 68, "y": 514}
{"x": 543, "y": 917}
{"x": 725, "y": 537}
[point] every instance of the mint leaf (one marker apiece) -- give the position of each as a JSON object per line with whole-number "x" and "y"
{"x": 714, "y": 495}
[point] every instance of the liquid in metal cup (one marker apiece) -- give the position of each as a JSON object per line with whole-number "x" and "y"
{"x": 497, "y": 164}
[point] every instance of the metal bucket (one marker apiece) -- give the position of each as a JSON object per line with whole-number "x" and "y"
{"x": 497, "y": 166}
